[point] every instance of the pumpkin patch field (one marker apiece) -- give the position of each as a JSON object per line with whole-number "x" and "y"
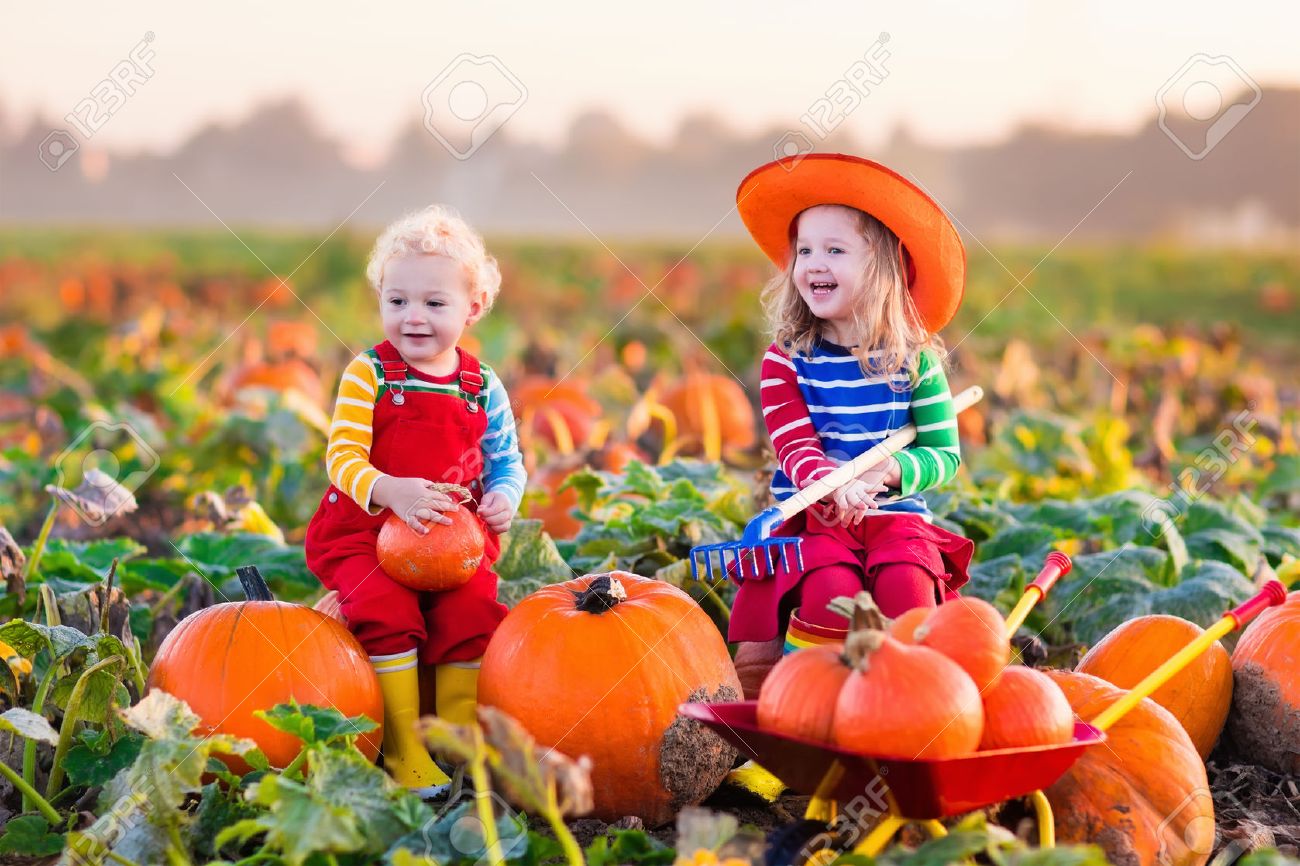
{"x": 179, "y": 688}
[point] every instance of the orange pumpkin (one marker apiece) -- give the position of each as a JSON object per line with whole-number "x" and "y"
{"x": 798, "y": 697}
{"x": 555, "y": 512}
{"x": 557, "y": 413}
{"x": 230, "y": 659}
{"x": 446, "y": 557}
{"x": 905, "y": 701}
{"x": 905, "y": 624}
{"x": 288, "y": 374}
{"x": 1143, "y": 796}
{"x": 1265, "y": 718}
{"x": 969, "y": 631}
{"x": 1025, "y": 708}
{"x": 597, "y": 666}
{"x": 706, "y": 405}
{"x": 1198, "y": 696}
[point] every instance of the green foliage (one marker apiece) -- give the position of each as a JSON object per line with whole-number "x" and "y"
{"x": 30, "y": 836}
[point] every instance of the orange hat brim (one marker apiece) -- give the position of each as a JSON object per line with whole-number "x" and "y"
{"x": 771, "y": 196}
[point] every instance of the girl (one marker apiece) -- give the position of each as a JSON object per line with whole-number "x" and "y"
{"x": 871, "y": 270}
{"x": 413, "y": 411}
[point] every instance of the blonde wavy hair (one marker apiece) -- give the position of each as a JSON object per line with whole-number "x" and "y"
{"x": 438, "y": 231}
{"x": 890, "y": 335}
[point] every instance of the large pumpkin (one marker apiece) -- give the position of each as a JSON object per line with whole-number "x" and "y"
{"x": 597, "y": 666}
{"x": 1265, "y": 720}
{"x": 230, "y": 659}
{"x": 1199, "y": 696}
{"x": 1143, "y": 794}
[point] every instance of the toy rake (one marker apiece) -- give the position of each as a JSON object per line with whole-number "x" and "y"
{"x": 757, "y": 537}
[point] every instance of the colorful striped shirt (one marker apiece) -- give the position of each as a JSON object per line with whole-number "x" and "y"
{"x": 822, "y": 410}
{"x": 347, "y": 456}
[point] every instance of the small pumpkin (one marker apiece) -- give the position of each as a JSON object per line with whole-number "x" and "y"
{"x": 1199, "y": 696}
{"x": 446, "y": 557}
{"x": 230, "y": 659}
{"x": 905, "y": 624}
{"x": 971, "y": 632}
{"x": 1143, "y": 796}
{"x": 1265, "y": 719}
{"x": 905, "y": 701}
{"x": 598, "y": 666}
{"x": 1025, "y": 708}
{"x": 799, "y": 695}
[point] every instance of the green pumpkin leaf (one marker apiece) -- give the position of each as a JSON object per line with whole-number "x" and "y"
{"x": 300, "y": 824}
{"x": 28, "y": 725}
{"x": 30, "y": 836}
{"x": 217, "y": 810}
{"x": 345, "y": 779}
{"x": 95, "y": 761}
{"x": 527, "y": 552}
{"x": 313, "y": 724}
{"x": 1240, "y": 551}
{"x": 1031, "y": 541}
{"x": 1284, "y": 477}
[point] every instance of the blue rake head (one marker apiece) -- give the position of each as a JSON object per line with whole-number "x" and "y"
{"x": 745, "y": 552}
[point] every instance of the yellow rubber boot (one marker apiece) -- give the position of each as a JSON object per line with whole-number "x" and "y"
{"x": 405, "y": 757}
{"x": 456, "y": 691}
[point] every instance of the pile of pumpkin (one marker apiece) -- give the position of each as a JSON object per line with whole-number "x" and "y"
{"x": 933, "y": 684}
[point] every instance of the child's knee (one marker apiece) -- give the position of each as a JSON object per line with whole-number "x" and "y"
{"x": 383, "y": 615}
{"x": 820, "y": 586}
{"x": 900, "y": 586}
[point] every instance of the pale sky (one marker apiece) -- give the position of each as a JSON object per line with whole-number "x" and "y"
{"x": 957, "y": 72}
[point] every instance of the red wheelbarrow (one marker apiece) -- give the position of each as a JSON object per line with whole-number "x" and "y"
{"x": 894, "y": 791}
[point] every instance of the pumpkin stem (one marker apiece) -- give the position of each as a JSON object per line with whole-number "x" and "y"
{"x": 255, "y": 588}
{"x": 866, "y": 615}
{"x": 860, "y": 645}
{"x": 602, "y": 594}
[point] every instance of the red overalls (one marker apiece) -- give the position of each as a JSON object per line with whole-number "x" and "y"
{"x": 418, "y": 435}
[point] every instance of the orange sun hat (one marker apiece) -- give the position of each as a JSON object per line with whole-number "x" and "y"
{"x": 772, "y": 195}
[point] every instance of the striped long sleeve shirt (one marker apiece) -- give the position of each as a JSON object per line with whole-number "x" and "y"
{"x": 822, "y": 410}
{"x": 347, "y": 456}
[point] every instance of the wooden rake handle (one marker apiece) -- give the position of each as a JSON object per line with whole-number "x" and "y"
{"x": 855, "y": 467}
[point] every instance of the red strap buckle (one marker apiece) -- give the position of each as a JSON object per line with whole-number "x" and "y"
{"x": 394, "y": 371}
{"x": 470, "y": 382}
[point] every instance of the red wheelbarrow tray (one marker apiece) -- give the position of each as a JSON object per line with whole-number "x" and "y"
{"x": 921, "y": 788}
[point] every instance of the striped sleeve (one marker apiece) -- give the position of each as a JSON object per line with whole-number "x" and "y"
{"x": 798, "y": 450}
{"x": 347, "y": 455}
{"x": 503, "y": 465}
{"x": 933, "y": 458}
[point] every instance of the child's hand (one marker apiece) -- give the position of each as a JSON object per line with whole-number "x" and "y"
{"x": 853, "y": 499}
{"x": 496, "y": 511}
{"x": 887, "y": 473}
{"x": 414, "y": 500}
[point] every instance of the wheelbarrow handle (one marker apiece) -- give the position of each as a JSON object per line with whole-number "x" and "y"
{"x": 1056, "y": 565}
{"x": 868, "y": 460}
{"x": 1273, "y": 593}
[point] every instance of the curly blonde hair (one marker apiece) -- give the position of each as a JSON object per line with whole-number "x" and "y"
{"x": 889, "y": 331}
{"x": 438, "y": 231}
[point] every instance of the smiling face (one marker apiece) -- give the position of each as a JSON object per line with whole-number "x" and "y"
{"x": 830, "y": 258}
{"x": 425, "y": 304}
